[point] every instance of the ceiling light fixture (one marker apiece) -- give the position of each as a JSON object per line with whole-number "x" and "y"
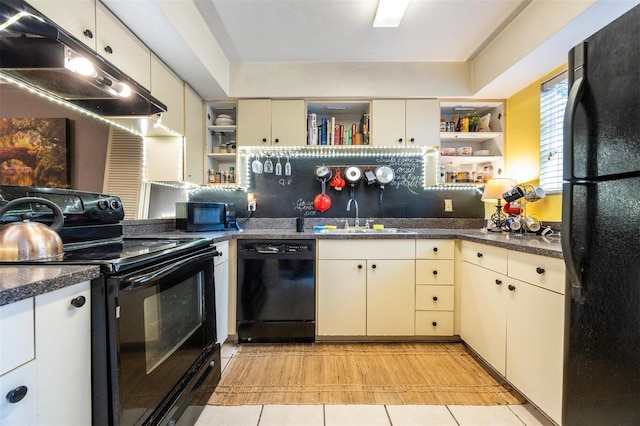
{"x": 390, "y": 13}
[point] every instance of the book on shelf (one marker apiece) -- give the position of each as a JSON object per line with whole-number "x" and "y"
{"x": 312, "y": 129}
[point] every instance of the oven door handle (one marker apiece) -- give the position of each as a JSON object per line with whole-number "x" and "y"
{"x": 142, "y": 280}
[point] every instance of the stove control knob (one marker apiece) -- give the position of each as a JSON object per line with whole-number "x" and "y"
{"x": 114, "y": 204}
{"x": 103, "y": 204}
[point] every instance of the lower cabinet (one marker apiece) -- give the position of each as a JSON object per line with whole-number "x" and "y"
{"x": 366, "y": 288}
{"x": 512, "y": 314}
{"x": 54, "y": 386}
{"x": 221, "y": 279}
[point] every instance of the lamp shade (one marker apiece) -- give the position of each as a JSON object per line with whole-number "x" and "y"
{"x": 495, "y": 187}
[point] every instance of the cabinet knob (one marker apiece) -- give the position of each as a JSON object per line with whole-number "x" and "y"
{"x": 277, "y": 140}
{"x": 498, "y": 282}
{"x": 359, "y": 266}
{"x": 79, "y": 301}
{"x": 413, "y": 140}
{"x": 108, "y": 49}
{"x": 435, "y": 272}
{"x": 17, "y": 394}
{"x": 264, "y": 140}
{"x": 435, "y": 249}
{"x": 87, "y": 33}
{"x": 434, "y": 324}
{"x": 400, "y": 140}
{"x": 435, "y": 298}
{"x": 511, "y": 287}
{"x": 374, "y": 266}
{"x": 540, "y": 270}
{"x": 217, "y": 253}
{"x": 479, "y": 254}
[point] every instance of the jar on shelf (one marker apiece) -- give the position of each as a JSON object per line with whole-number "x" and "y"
{"x": 212, "y": 176}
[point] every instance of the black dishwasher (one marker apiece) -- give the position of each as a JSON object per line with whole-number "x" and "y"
{"x": 276, "y": 291}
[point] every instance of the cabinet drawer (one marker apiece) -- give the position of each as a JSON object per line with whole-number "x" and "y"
{"x": 223, "y": 249}
{"x": 25, "y": 411}
{"x": 434, "y": 323}
{"x": 434, "y": 272}
{"x": 546, "y": 272}
{"x": 435, "y": 249}
{"x": 366, "y": 249}
{"x": 16, "y": 335}
{"x": 434, "y": 298}
{"x": 490, "y": 257}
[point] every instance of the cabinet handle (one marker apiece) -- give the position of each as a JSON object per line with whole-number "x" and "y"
{"x": 413, "y": 140}
{"x": 374, "y": 266}
{"x": 17, "y": 394}
{"x": 479, "y": 254}
{"x": 498, "y": 282}
{"x": 359, "y": 266}
{"x": 87, "y": 33}
{"x": 277, "y": 140}
{"x": 540, "y": 270}
{"x": 511, "y": 287}
{"x": 435, "y": 298}
{"x": 264, "y": 140}
{"x": 435, "y": 249}
{"x": 434, "y": 324}
{"x": 400, "y": 140}
{"x": 217, "y": 253}
{"x": 79, "y": 301}
{"x": 435, "y": 272}
{"x": 108, "y": 49}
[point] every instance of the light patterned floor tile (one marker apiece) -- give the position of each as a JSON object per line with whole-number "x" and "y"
{"x": 473, "y": 415}
{"x": 242, "y": 415}
{"x": 224, "y": 361}
{"x": 420, "y": 415}
{"x": 530, "y": 415}
{"x": 292, "y": 415}
{"x": 355, "y": 415}
{"x": 228, "y": 349}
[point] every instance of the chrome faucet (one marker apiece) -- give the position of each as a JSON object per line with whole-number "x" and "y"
{"x": 357, "y": 221}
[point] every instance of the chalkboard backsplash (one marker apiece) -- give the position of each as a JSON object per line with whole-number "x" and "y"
{"x": 411, "y": 194}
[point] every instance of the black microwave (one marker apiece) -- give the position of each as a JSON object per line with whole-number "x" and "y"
{"x": 205, "y": 216}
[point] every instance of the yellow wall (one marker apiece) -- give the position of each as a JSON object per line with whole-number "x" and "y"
{"x": 522, "y": 147}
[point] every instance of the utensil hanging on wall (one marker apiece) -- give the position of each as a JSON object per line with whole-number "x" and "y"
{"x": 352, "y": 175}
{"x": 287, "y": 167}
{"x": 278, "y": 167}
{"x": 337, "y": 182}
{"x": 322, "y": 201}
{"x": 385, "y": 176}
{"x": 268, "y": 165}
{"x": 256, "y": 166}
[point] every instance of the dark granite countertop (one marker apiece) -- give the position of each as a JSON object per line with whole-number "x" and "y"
{"x": 22, "y": 282}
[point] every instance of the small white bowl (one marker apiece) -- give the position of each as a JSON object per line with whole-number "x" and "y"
{"x": 465, "y": 150}
{"x": 448, "y": 151}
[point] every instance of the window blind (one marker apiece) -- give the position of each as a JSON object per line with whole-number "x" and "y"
{"x": 553, "y": 100}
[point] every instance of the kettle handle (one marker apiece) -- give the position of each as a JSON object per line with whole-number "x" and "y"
{"x": 58, "y": 216}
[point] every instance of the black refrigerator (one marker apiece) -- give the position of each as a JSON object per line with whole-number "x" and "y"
{"x": 601, "y": 227}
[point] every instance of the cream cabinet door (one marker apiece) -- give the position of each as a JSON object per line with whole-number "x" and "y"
{"x": 77, "y": 17}
{"x": 254, "y": 122}
{"x": 16, "y": 411}
{"x": 342, "y": 298}
{"x": 390, "y": 297}
{"x": 194, "y": 144}
{"x": 288, "y": 123}
{"x": 388, "y": 122}
{"x": 535, "y": 330}
{"x": 63, "y": 354}
{"x": 221, "y": 278}
{"x": 422, "y": 122}
{"x": 168, "y": 89}
{"x": 483, "y": 315}
{"x": 121, "y": 47}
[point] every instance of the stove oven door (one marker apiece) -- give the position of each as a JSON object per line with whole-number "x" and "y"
{"x": 165, "y": 339}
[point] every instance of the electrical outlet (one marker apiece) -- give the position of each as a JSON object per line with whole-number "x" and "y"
{"x": 448, "y": 205}
{"x": 251, "y": 206}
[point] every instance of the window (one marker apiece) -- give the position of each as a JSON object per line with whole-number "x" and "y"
{"x": 553, "y": 100}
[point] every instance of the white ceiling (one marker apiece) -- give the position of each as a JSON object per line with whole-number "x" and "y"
{"x": 206, "y": 41}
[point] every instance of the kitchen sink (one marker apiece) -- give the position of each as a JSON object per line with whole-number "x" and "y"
{"x": 359, "y": 230}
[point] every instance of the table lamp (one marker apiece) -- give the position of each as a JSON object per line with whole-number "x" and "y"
{"x": 493, "y": 191}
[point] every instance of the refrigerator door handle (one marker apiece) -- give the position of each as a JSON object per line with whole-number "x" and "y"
{"x": 578, "y": 73}
{"x": 574, "y": 270}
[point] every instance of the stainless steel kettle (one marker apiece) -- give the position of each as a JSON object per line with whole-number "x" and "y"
{"x": 30, "y": 240}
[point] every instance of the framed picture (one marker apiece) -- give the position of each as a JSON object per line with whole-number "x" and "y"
{"x": 35, "y": 152}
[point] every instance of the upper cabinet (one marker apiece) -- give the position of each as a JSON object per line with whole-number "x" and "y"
{"x": 338, "y": 122}
{"x": 167, "y": 87}
{"x": 265, "y": 122}
{"x": 411, "y": 122}
{"x": 78, "y": 17}
{"x": 121, "y": 47}
{"x": 220, "y": 145}
{"x": 471, "y": 154}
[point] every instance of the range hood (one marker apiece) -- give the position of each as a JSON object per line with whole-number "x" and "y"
{"x": 37, "y": 53}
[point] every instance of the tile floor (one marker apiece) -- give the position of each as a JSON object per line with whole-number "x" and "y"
{"x": 366, "y": 415}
